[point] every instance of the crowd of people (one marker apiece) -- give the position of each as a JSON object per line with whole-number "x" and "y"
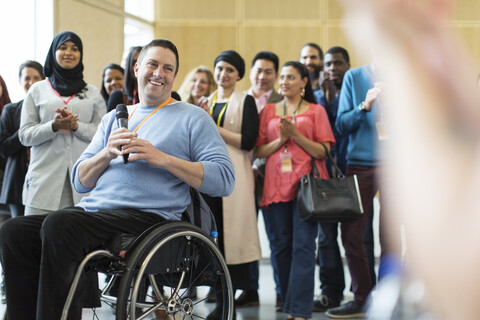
{"x": 245, "y": 151}
{"x": 320, "y": 102}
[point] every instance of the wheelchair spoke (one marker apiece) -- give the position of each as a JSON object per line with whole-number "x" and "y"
{"x": 195, "y": 250}
{"x": 180, "y": 282}
{"x": 149, "y": 311}
{"x": 179, "y": 258}
{"x": 156, "y": 290}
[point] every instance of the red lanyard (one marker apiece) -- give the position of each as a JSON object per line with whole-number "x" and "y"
{"x": 58, "y": 94}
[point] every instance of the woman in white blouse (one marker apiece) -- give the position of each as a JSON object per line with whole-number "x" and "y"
{"x": 59, "y": 118}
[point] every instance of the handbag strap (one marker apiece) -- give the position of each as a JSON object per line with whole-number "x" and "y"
{"x": 338, "y": 171}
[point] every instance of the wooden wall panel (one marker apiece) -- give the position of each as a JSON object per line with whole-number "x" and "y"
{"x": 112, "y": 3}
{"x": 336, "y": 36}
{"x": 466, "y": 10}
{"x": 198, "y": 44}
{"x": 101, "y": 31}
{"x": 333, "y": 10}
{"x": 281, "y": 26}
{"x": 285, "y": 42}
{"x": 196, "y": 9}
{"x": 203, "y": 28}
{"x": 470, "y": 36}
{"x": 283, "y": 9}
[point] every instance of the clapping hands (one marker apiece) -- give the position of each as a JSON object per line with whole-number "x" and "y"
{"x": 65, "y": 120}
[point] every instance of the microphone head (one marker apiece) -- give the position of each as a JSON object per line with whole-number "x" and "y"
{"x": 121, "y": 111}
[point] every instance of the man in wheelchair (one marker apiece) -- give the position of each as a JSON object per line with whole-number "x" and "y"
{"x": 172, "y": 146}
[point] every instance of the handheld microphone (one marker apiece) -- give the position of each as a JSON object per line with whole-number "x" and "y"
{"x": 122, "y": 122}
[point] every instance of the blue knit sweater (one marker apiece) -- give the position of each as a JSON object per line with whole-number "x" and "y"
{"x": 358, "y": 125}
{"x": 179, "y": 129}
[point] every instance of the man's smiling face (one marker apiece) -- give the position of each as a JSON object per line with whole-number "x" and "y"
{"x": 155, "y": 72}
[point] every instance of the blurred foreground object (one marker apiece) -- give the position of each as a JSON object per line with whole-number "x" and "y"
{"x": 433, "y": 156}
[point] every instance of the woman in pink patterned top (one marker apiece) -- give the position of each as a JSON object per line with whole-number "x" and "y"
{"x": 291, "y": 133}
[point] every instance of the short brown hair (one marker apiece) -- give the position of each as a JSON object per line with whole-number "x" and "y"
{"x": 164, "y": 43}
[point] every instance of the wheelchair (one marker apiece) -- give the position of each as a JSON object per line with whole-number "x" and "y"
{"x": 159, "y": 269}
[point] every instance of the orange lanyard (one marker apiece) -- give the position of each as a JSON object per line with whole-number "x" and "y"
{"x": 151, "y": 113}
{"x": 58, "y": 94}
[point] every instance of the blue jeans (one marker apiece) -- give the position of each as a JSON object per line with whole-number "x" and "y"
{"x": 294, "y": 251}
{"x": 332, "y": 277}
{"x": 254, "y": 272}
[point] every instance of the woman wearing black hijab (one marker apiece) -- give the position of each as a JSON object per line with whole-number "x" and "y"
{"x": 59, "y": 118}
{"x": 236, "y": 116}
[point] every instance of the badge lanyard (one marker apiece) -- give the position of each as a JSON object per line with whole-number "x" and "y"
{"x": 286, "y": 163}
{"x": 62, "y": 131}
{"x": 220, "y": 115}
{"x": 151, "y": 113}
{"x": 293, "y": 114}
{"x": 58, "y": 94}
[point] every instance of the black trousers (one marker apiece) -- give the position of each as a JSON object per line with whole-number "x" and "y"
{"x": 40, "y": 255}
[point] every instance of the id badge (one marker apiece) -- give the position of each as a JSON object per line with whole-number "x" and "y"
{"x": 382, "y": 130}
{"x": 286, "y": 162}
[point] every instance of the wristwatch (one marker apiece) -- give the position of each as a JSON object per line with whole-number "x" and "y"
{"x": 362, "y": 107}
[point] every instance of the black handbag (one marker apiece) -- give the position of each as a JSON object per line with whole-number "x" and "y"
{"x": 334, "y": 200}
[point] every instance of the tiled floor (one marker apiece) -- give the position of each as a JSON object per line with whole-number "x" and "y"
{"x": 266, "y": 310}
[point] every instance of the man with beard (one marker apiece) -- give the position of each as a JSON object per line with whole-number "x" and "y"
{"x": 336, "y": 62}
{"x": 311, "y": 55}
{"x": 360, "y": 116}
{"x": 42, "y": 252}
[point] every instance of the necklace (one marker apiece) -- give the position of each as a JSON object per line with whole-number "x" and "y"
{"x": 285, "y": 108}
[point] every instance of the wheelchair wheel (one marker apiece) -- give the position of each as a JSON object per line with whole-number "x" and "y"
{"x": 164, "y": 267}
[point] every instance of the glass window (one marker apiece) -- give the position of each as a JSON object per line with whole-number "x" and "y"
{"x": 25, "y": 37}
{"x": 136, "y": 34}
{"x": 144, "y": 9}
{"x": 139, "y": 26}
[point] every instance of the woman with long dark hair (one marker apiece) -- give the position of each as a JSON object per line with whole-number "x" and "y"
{"x": 291, "y": 133}
{"x": 11, "y": 148}
{"x": 129, "y": 94}
{"x": 4, "y": 96}
{"x": 113, "y": 79}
